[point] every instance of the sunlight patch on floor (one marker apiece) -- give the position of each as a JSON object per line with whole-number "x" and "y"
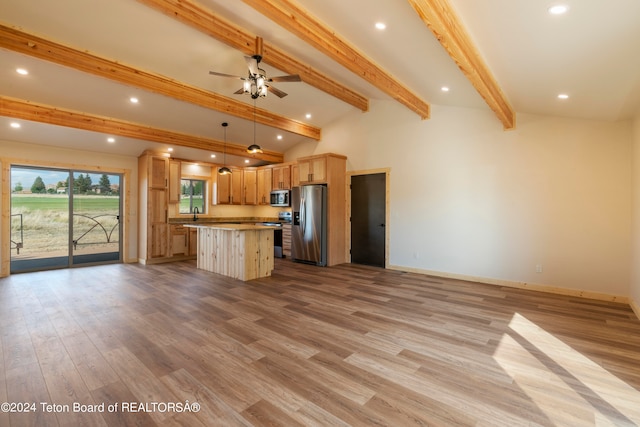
{"x": 561, "y": 381}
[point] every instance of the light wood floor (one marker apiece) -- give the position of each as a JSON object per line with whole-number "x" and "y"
{"x": 347, "y": 345}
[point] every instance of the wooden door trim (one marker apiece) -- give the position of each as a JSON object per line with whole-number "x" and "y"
{"x": 387, "y": 209}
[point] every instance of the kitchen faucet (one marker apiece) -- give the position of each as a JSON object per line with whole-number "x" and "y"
{"x": 195, "y": 213}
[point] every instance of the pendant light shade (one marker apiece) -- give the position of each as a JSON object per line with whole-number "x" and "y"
{"x": 224, "y": 170}
{"x": 254, "y": 148}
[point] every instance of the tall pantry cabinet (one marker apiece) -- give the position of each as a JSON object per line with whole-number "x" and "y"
{"x": 156, "y": 189}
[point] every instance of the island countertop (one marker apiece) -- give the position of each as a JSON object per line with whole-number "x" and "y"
{"x": 223, "y": 226}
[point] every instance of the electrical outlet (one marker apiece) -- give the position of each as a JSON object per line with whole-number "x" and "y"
{"x": 538, "y": 268}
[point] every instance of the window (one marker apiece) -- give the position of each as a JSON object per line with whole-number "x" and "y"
{"x": 192, "y": 195}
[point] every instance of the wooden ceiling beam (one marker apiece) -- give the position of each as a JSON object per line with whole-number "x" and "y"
{"x": 26, "y": 110}
{"x": 443, "y": 22}
{"x": 207, "y": 22}
{"x": 18, "y": 41}
{"x": 299, "y": 22}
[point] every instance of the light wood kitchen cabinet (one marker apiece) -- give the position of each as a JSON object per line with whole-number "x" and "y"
{"x": 179, "y": 239}
{"x": 159, "y": 241}
{"x": 229, "y": 187}
{"x": 312, "y": 170}
{"x": 295, "y": 176}
{"x": 174, "y": 180}
{"x": 281, "y": 177}
{"x": 264, "y": 185}
{"x": 250, "y": 186}
{"x": 157, "y": 171}
{"x": 153, "y": 181}
{"x": 193, "y": 241}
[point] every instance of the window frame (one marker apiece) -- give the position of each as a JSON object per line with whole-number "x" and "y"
{"x": 191, "y": 186}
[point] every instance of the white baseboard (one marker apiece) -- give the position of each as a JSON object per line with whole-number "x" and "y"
{"x": 522, "y": 285}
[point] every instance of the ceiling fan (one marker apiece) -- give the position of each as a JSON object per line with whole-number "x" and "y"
{"x": 257, "y": 83}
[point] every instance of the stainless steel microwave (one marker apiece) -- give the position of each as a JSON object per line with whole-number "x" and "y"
{"x": 281, "y": 198}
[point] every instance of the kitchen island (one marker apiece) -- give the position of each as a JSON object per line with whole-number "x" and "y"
{"x": 241, "y": 251}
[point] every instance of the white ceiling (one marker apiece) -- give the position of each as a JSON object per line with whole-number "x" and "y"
{"x": 591, "y": 53}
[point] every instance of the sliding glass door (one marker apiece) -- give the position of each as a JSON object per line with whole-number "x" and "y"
{"x": 95, "y": 205}
{"x": 61, "y": 218}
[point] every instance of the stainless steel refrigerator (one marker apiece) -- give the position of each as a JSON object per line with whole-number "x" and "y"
{"x": 309, "y": 224}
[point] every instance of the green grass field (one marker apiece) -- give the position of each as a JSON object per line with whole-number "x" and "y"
{"x": 41, "y": 221}
{"x": 53, "y": 202}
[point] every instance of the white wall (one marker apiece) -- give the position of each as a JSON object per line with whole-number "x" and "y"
{"x": 42, "y": 155}
{"x": 635, "y": 266}
{"x": 470, "y": 199}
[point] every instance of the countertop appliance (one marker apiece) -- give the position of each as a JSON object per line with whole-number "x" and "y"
{"x": 280, "y": 198}
{"x": 309, "y": 226}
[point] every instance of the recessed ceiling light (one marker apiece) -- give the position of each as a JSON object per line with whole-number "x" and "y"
{"x": 558, "y": 9}
{"x": 563, "y": 96}
{"x": 246, "y": 161}
{"x": 22, "y": 71}
{"x": 444, "y": 89}
{"x": 308, "y": 115}
{"x": 279, "y": 137}
{"x": 169, "y": 149}
{"x": 15, "y": 125}
{"x": 213, "y": 156}
{"x": 134, "y": 100}
{"x": 381, "y": 25}
{"x": 111, "y": 140}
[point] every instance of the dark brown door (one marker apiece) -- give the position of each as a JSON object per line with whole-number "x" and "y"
{"x": 368, "y": 219}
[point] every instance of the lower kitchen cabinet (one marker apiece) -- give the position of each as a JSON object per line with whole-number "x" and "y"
{"x": 193, "y": 241}
{"x": 179, "y": 240}
{"x": 286, "y": 240}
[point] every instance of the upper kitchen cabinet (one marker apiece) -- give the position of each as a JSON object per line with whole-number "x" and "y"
{"x": 281, "y": 177}
{"x": 157, "y": 171}
{"x": 312, "y": 170}
{"x": 249, "y": 186}
{"x": 264, "y": 185}
{"x": 174, "y": 180}
{"x": 319, "y": 169}
{"x": 227, "y": 188}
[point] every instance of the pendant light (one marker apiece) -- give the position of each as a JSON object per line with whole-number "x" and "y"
{"x": 224, "y": 170}
{"x": 254, "y": 148}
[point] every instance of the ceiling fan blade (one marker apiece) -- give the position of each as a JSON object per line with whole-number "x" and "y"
{"x": 252, "y": 63}
{"x": 239, "y": 91}
{"x": 215, "y": 73}
{"x": 277, "y": 92}
{"x": 289, "y": 78}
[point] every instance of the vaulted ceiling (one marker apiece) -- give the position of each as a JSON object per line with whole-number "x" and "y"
{"x": 87, "y": 59}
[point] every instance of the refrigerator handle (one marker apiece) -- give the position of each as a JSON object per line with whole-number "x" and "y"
{"x": 302, "y": 212}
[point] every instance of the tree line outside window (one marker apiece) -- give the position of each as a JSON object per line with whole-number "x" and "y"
{"x": 81, "y": 185}
{"x": 192, "y": 195}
